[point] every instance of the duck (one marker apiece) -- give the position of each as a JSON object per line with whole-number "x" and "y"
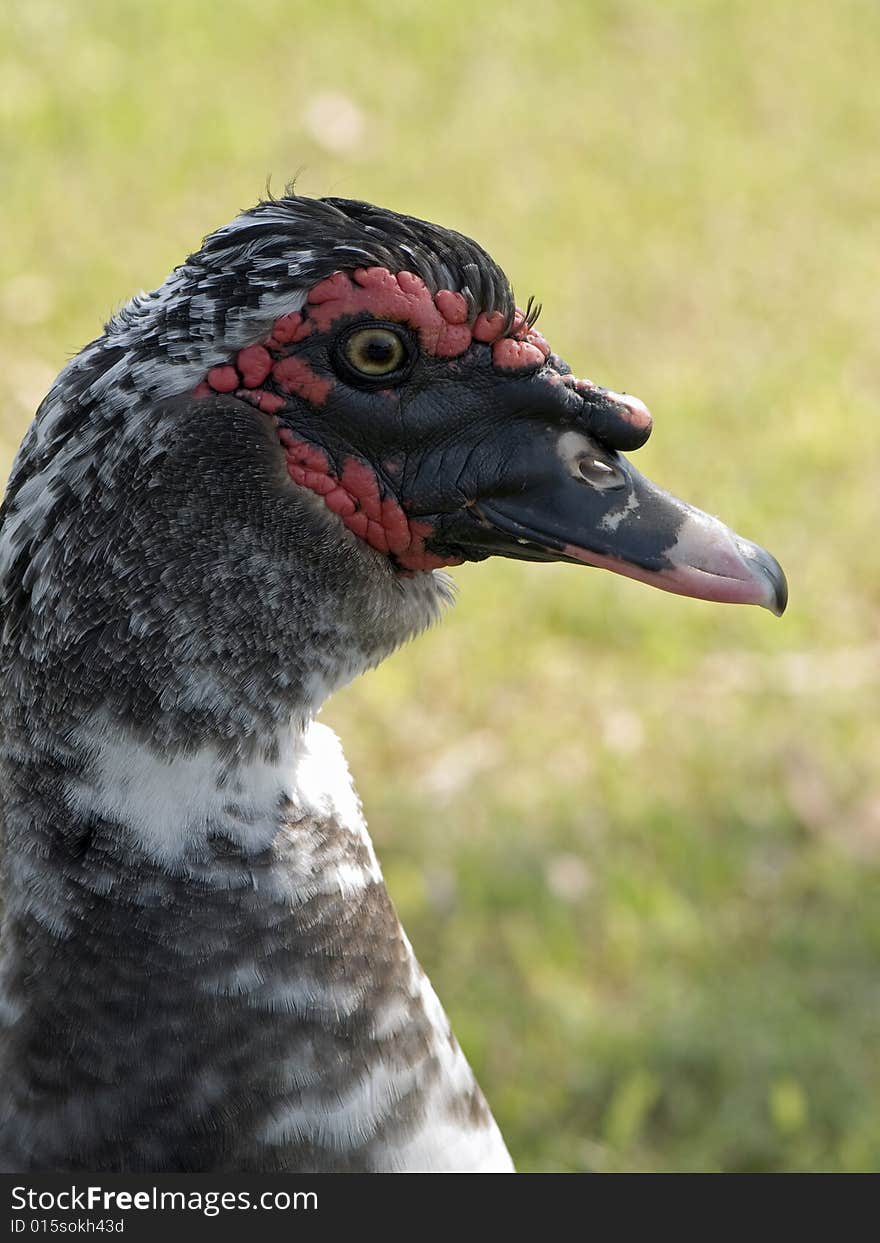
{"x": 244, "y": 493}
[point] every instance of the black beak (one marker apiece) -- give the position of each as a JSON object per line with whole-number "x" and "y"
{"x": 563, "y": 494}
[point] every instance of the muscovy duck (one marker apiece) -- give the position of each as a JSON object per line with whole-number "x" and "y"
{"x": 235, "y": 500}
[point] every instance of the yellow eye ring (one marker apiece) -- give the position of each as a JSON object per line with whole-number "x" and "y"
{"x": 374, "y": 352}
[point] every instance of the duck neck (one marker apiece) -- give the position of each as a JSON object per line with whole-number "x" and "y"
{"x": 202, "y": 970}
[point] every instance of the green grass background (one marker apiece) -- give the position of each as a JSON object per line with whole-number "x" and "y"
{"x": 635, "y": 839}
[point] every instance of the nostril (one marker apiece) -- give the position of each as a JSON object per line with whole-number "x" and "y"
{"x": 600, "y": 474}
{"x": 584, "y": 459}
{"x": 593, "y": 466}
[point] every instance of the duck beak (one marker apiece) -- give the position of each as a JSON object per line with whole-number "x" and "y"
{"x": 707, "y": 561}
{"x": 565, "y": 496}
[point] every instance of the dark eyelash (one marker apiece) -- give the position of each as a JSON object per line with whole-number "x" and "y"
{"x": 532, "y": 311}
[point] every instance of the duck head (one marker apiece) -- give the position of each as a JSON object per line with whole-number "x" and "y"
{"x": 436, "y": 423}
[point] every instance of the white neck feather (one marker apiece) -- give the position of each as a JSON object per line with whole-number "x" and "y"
{"x": 170, "y": 804}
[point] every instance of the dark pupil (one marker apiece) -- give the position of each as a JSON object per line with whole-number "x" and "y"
{"x": 379, "y": 350}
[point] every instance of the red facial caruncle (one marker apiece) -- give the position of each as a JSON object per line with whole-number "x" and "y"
{"x": 268, "y": 373}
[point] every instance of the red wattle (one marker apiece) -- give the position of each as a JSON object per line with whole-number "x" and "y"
{"x": 355, "y": 497}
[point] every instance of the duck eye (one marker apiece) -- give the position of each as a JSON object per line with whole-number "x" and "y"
{"x": 374, "y": 352}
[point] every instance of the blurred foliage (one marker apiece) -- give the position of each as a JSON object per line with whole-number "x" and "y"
{"x": 635, "y": 839}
